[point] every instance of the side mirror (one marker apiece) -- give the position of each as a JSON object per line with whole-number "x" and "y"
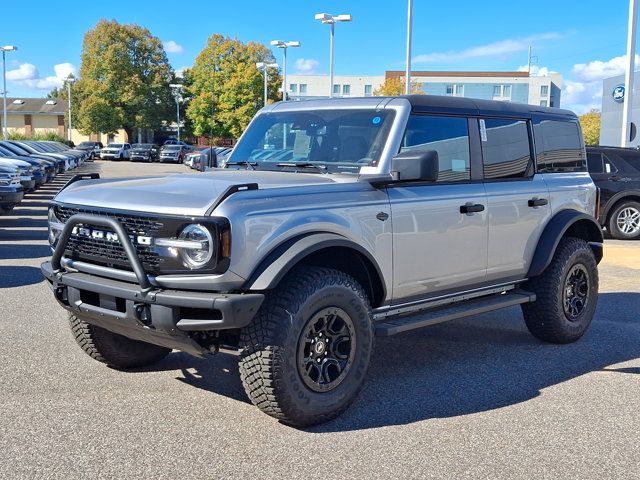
{"x": 416, "y": 165}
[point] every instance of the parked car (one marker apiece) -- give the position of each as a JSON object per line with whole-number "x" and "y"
{"x": 191, "y": 156}
{"x": 92, "y": 147}
{"x": 24, "y": 169}
{"x": 11, "y": 192}
{"x": 43, "y": 170}
{"x": 144, "y": 152}
{"x": 60, "y": 164}
{"x": 616, "y": 172}
{"x": 388, "y": 214}
{"x": 173, "y": 153}
{"x": 172, "y": 141}
{"x": 115, "y": 151}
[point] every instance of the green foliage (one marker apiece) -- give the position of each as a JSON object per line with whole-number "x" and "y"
{"x": 225, "y": 87}
{"x": 46, "y": 135}
{"x": 124, "y": 80}
{"x": 394, "y": 86}
{"x": 590, "y": 124}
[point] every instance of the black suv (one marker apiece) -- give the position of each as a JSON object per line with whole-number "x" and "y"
{"x": 616, "y": 172}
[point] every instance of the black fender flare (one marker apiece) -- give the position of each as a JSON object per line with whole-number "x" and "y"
{"x": 288, "y": 254}
{"x": 557, "y": 227}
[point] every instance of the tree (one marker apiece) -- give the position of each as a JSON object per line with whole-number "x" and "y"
{"x": 393, "y": 86}
{"x": 590, "y": 123}
{"x": 226, "y": 88}
{"x": 124, "y": 80}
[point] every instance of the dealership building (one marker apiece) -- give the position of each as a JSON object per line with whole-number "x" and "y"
{"x": 505, "y": 86}
{"x": 613, "y": 93}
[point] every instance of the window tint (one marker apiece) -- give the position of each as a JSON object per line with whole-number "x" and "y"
{"x": 558, "y": 146}
{"x": 594, "y": 161}
{"x": 449, "y": 136}
{"x": 506, "y": 151}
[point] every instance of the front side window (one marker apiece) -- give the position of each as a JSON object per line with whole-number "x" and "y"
{"x": 335, "y": 140}
{"x": 449, "y": 136}
{"x": 506, "y": 151}
{"x": 594, "y": 162}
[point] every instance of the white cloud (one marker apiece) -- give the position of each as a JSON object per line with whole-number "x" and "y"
{"x": 306, "y": 65}
{"x": 501, "y": 48}
{"x": 583, "y": 92}
{"x": 28, "y": 76}
{"x": 173, "y": 47}
{"x": 536, "y": 71}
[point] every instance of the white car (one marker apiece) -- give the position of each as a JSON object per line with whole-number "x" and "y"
{"x": 115, "y": 151}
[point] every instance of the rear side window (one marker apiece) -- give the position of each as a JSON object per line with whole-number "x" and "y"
{"x": 630, "y": 163}
{"x": 594, "y": 162}
{"x": 449, "y": 136}
{"x": 558, "y": 146}
{"x": 506, "y": 149}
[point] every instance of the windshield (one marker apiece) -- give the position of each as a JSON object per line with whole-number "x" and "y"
{"x": 338, "y": 140}
{"x": 86, "y": 144}
{"x": 171, "y": 148}
{"x": 114, "y": 145}
{"x": 141, "y": 145}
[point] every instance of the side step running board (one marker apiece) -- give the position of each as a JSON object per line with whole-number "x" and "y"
{"x": 468, "y": 308}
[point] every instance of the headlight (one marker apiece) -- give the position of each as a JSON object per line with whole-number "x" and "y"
{"x": 55, "y": 227}
{"x": 198, "y": 248}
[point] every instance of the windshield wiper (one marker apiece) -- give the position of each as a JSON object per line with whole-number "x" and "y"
{"x": 320, "y": 168}
{"x": 249, "y": 165}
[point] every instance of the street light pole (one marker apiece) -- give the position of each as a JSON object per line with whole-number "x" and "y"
{"x": 6, "y": 48}
{"x": 627, "y": 107}
{"x": 176, "y": 95}
{"x": 263, "y": 67}
{"x": 284, "y": 46}
{"x": 407, "y": 75}
{"x": 331, "y": 20}
{"x": 70, "y": 80}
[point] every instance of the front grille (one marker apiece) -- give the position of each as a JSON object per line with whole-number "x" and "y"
{"x": 108, "y": 253}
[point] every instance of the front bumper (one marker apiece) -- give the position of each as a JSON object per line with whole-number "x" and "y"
{"x": 161, "y": 317}
{"x": 110, "y": 156}
{"x": 167, "y": 158}
{"x": 28, "y": 185}
{"x": 141, "y": 310}
{"x": 142, "y": 157}
{"x": 10, "y": 196}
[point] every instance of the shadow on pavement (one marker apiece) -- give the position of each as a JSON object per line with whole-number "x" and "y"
{"x": 456, "y": 368}
{"x": 19, "y": 276}
{"x": 22, "y": 235}
{"x": 22, "y": 251}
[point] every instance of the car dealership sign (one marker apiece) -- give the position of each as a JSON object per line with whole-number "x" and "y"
{"x": 618, "y": 93}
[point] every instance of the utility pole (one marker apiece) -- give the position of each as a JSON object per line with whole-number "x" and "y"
{"x": 627, "y": 107}
{"x": 407, "y": 74}
{"x": 529, "y": 61}
{"x": 70, "y": 80}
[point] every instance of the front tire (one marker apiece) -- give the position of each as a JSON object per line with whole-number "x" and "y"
{"x": 115, "y": 350}
{"x": 624, "y": 222}
{"x": 566, "y": 294}
{"x": 306, "y": 353}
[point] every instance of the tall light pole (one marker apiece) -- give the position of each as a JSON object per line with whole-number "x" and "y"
{"x": 331, "y": 20}
{"x": 264, "y": 67}
{"x": 6, "y": 48}
{"x": 176, "y": 94}
{"x": 627, "y": 107}
{"x": 70, "y": 80}
{"x": 407, "y": 74}
{"x": 284, "y": 46}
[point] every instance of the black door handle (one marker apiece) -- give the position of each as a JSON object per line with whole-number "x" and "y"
{"x": 538, "y": 202}
{"x": 471, "y": 208}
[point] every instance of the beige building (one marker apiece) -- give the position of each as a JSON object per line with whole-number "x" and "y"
{"x": 33, "y": 116}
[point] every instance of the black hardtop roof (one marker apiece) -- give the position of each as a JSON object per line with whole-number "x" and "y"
{"x": 474, "y": 106}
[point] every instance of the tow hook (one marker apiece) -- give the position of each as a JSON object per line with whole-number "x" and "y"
{"x": 60, "y": 292}
{"x": 143, "y": 313}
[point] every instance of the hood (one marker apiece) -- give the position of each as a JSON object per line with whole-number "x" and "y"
{"x": 181, "y": 194}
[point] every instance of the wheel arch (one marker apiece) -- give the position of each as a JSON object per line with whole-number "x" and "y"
{"x": 566, "y": 223}
{"x": 617, "y": 199}
{"x": 321, "y": 249}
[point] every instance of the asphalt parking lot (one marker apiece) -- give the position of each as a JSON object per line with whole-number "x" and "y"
{"x": 477, "y": 398}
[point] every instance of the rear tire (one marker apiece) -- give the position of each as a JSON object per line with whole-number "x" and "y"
{"x": 115, "y": 350}
{"x": 624, "y": 221}
{"x": 306, "y": 353}
{"x": 566, "y": 294}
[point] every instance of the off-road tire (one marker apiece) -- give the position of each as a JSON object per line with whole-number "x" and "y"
{"x": 268, "y": 364}
{"x": 612, "y": 225}
{"x": 546, "y": 318}
{"x": 115, "y": 350}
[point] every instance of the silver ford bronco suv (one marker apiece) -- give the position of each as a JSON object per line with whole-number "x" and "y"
{"x": 334, "y": 221}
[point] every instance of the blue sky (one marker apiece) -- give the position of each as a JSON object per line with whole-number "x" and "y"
{"x": 584, "y": 41}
